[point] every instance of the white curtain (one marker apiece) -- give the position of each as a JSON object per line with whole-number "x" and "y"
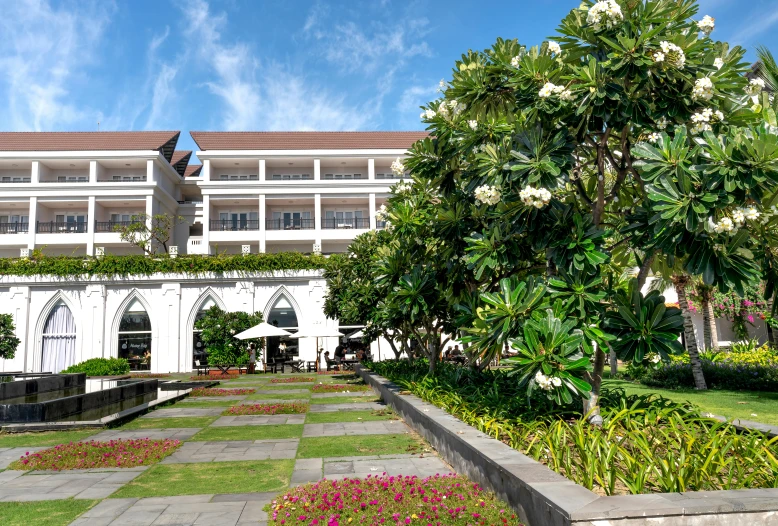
{"x": 59, "y": 340}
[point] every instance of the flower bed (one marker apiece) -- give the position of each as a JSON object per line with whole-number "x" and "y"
{"x": 216, "y": 391}
{"x": 646, "y": 444}
{"x": 295, "y": 380}
{"x": 383, "y": 499}
{"x": 93, "y": 454}
{"x": 149, "y": 375}
{"x": 267, "y": 409}
{"x": 339, "y": 388}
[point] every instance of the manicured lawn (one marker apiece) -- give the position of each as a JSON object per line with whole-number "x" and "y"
{"x": 731, "y": 404}
{"x": 48, "y": 438}
{"x": 349, "y": 416}
{"x": 280, "y": 396}
{"x": 345, "y": 400}
{"x": 248, "y": 432}
{"x": 196, "y": 402}
{"x": 165, "y": 480}
{"x": 168, "y": 423}
{"x": 43, "y": 513}
{"x": 276, "y": 387}
{"x": 358, "y": 445}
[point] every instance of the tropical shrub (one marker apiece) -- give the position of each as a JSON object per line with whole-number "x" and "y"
{"x": 218, "y": 335}
{"x": 384, "y": 499}
{"x": 101, "y": 367}
{"x": 724, "y": 374}
{"x": 94, "y": 454}
{"x": 8, "y": 340}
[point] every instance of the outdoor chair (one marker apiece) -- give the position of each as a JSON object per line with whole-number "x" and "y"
{"x": 310, "y": 367}
{"x": 201, "y": 369}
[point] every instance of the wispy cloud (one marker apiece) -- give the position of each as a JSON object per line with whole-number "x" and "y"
{"x": 410, "y": 101}
{"x": 43, "y": 53}
{"x": 754, "y": 26}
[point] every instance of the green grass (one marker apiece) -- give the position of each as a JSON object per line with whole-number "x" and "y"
{"x": 267, "y": 432}
{"x": 207, "y": 403}
{"x": 730, "y": 404}
{"x": 358, "y": 445}
{"x": 349, "y": 416}
{"x": 43, "y": 513}
{"x": 167, "y": 423}
{"x": 276, "y": 387}
{"x": 345, "y": 400}
{"x": 48, "y": 438}
{"x": 164, "y": 480}
{"x": 280, "y": 396}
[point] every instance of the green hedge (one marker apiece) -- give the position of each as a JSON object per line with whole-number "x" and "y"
{"x": 111, "y": 265}
{"x": 100, "y": 367}
{"x": 718, "y": 375}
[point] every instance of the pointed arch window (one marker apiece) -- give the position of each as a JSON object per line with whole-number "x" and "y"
{"x": 135, "y": 336}
{"x": 282, "y": 315}
{"x": 59, "y": 340}
{"x": 198, "y": 351}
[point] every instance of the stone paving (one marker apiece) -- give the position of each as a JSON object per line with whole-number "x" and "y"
{"x": 218, "y": 509}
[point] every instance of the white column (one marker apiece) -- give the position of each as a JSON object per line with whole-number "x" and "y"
{"x": 33, "y": 229}
{"x": 90, "y": 222}
{"x": 149, "y": 210}
{"x": 316, "y": 169}
{"x": 261, "y": 169}
{"x": 93, "y": 172}
{"x": 206, "y": 224}
{"x": 150, "y": 171}
{"x": 35, "y": 173}
{"x": 371, "y": 210}
{"x": 262, "y": 219}
{"x": 371, "y": 169}
{"x": 317, "y": 217}
{"x": 205, "y": 173}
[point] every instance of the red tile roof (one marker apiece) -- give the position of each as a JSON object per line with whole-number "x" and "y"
{"x": 180, "y": 160}
{"x": 306, "y": 140}
{"x": 178, "y": 155}
{"x": 193, "y": 170}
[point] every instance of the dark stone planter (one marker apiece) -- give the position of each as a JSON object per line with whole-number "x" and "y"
{"x": 542, "y": 497}
{"x": 43, "y": 384}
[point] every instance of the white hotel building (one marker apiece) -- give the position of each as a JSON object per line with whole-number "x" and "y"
{"x": 64, "y": 193}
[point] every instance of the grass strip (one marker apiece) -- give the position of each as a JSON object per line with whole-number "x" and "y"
{"x": 47, "y": 438}
{"x": 170, "y": 423}
{"x": 43, "y": 512}
{"x": 262, "y": 432}
{"x": 359, "y": 445}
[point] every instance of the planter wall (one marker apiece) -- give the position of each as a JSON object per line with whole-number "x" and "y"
{"x": 543, "y": 497}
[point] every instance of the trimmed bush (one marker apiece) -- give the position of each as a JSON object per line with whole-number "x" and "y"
{"x": 724, "y": 374}
{"x": 101, "y": 367}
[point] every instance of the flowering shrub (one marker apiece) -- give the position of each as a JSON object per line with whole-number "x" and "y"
{"x": 214, "y": 376}
{"x": 210, "y": 391}
{"x": 339, "y": 388}
{"x": 286, "y": 408}
{"x": 742, "y": 310}
{"x": 150, "y": 375}
{"x": 384, "y": 499}
{"x": 294, "y": 380}
{"x": 722, "y": 374}
{"x": 93, "y": 454}
{"x": 218, "y": 335}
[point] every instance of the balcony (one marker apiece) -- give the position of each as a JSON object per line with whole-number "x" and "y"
{"x": 112, "y": 226}
{"x": 289, "y": 224}
{"x": 233, "y": 225}
{"x": 60, "y": 227}
{"x": 14, "y": 228}
{"x": 7, "y": 179}
{"x": 338, "y": 223}
{"x": 67, "y": 179}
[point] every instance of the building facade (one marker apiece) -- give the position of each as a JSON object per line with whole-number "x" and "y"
{"x": 66, "y": 193}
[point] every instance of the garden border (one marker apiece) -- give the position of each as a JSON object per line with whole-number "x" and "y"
{"x": 543, "y": 497}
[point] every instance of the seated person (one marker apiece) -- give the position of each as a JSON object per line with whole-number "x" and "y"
{"x": 340, "y": 353}
{"x": 328, "y": 361}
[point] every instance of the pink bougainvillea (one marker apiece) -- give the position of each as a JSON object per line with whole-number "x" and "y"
{"x": 94, "y": 454}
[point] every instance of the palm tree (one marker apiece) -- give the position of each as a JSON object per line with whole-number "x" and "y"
{"x": 766, "y": 68}
{"x": 710, "y": 336}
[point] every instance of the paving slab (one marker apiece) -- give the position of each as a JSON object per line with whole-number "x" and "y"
{"x": 233, "y": 450}
{"x": 355, "y": 428}
{"x": 12, "y": 454}
{"x": 258, "y": 420}
{"x": 79, "y": 484}
{"x": 339, "y": 394}
{"x": 178, "y": 411}
{"x": 180, "y": 433}
{"x": 212, "y": 398}
{"x": 282, "y": 391}
{"x": 355, "y": 406}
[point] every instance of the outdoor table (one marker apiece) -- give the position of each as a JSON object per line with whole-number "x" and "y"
{"x": 296, "y": 365}
{"x": 223, "y": 368}
{"x": 348, "y": 365}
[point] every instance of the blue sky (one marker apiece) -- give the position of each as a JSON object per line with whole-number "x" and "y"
{"x": 265, "y": 65}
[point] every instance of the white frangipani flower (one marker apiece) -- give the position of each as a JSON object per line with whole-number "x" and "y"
{"x": 549, "y": 89}
{"x": 554, "y": 48}
{"x": 546, "y": 91}
{"x": 515, "y": 61}
{"x": 662, "y": 122}
{"x": 755, "y": 86}
{"x": 654, "y": 358}
{"x": 543, "y": 381}
{"x": 427, "y": 114}
{"x": 702, "y": 120}
{"x": 706, "y": 25}
{"x": 473, "y": 124}
{"x": 537, "y": 197}
{"x": 605, "y": 14}
{"x": 725, "y": 224}
{"x": 398, "y": 168}
{"x": 659, "y": 56}
{"x": 751, "y": 213}
{"x": 670, "y": 55}
{"x": 654, "y": 137}
{"x": 488, "y": 195}
{"x": 380, "y": 214}
{"x": 703, "y": 89}
{"x": 441, "y": 86}
{"x": 718, "y": 63}
{"x": 403, "y": 187}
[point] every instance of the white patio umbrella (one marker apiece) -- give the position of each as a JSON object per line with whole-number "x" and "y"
{"x": 357, "y": 335}
{"x": 319, "y": 331}
{"x": 261, "y": 330}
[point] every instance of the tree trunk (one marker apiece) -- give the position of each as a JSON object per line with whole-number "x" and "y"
{"x": 709, "y": 319}
{"x": 591, "y": 405}
{"x": 614, "y": 364}
{"x": 397, "y": 354}
{"x": 645, "y": 267}
{"x": 690, "y": 338}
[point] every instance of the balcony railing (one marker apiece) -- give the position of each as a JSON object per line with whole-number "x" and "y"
{"x": 236, "y": 225}
{"x": 14, "y": 228}
{"x": 352, "y": 222}
{"x": 380, "y": 225}
{"x": 56, "y": 227}
{"x": 67, "y": 180}
{"x": 289, "y": 224}
{"x": 14, "y": 179}
{"x": 112, "y": 226}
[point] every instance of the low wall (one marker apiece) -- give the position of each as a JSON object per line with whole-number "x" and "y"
{"x": 42, "y": 384}
{"x": 542, "y": 497}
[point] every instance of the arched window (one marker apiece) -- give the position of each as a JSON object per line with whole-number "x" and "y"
{"x": 135, "y": 336}
{"x": 59, "y": 340}
{"x": 198, "y": 351}
{"x": 282, "y": 315}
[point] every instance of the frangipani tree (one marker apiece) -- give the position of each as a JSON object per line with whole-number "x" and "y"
{"x": 630, "y": 133}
